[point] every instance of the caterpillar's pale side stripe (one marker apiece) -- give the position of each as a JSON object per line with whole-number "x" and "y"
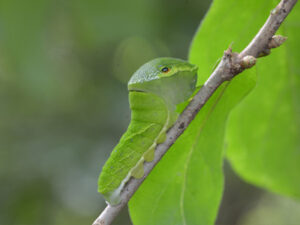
{"x": 115, "y": 195}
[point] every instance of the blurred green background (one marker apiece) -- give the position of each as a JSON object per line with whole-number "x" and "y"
{"x": 63, "y": 72}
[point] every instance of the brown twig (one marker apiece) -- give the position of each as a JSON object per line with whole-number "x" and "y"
{"x": 231, "y": 65}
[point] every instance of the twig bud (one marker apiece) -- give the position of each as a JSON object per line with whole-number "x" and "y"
{"x": 276, "y": 41}
{"x": 248, "y": 61}
{"x": 275, "y": 11}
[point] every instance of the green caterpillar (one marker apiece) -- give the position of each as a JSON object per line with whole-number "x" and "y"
{"x": 155, "y": 91}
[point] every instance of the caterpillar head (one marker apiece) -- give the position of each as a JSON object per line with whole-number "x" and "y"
{"x": 170, "y": 78}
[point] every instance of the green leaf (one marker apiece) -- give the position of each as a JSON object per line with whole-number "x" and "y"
{"x": 264, "y": 130}
{"x": 186, "y": 186}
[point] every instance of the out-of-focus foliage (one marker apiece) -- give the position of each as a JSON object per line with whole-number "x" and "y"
{"x": 264, "y": 130}
{"x": 63, "y": 96}
{"x": 273, "y": 210}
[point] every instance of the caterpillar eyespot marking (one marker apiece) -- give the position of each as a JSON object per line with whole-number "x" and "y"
{"x": 165, "y": 69}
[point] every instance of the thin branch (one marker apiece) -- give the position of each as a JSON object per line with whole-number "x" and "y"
{"x": 231, "y": 65}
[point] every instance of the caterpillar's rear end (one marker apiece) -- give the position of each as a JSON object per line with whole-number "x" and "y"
{"x": 149, "y": 121}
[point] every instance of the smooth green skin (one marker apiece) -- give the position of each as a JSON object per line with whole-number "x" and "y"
{"x": 153, "y": 97}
